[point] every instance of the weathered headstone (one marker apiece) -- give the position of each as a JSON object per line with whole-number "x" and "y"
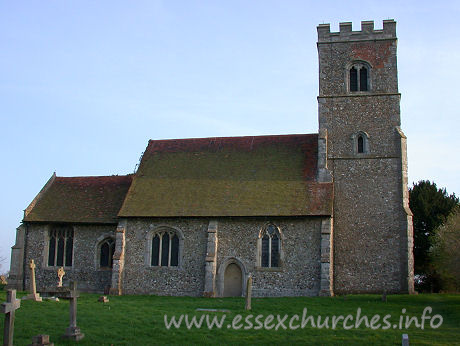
{"x": 33, "y": 288}
{"x": 212, "y": 310}
{"x": 9, "y": 308}
{"x": 53, "y": 299}
{"x": 3, "y": 280}
{"x": 103, "y": 299}
{"x": 73, "y": 332}
{"x": 405, "y": 340}
{"x": 41, "y": 340}
{"x": 248, "y": 293}
{"x": 60, "y": 274}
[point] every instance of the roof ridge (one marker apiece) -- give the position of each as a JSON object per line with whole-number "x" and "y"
{"x": 229, "y": 137}
{"x": 97, "y": 176}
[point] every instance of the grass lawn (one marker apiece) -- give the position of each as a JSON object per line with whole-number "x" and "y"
{"x": 139, "y": 320}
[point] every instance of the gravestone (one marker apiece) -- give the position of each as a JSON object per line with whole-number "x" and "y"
{"x": 103, "y": 299}
{"x": 53, "y": 299}
{"x": 41, "y": 340}
{"x": 9, "y": 308}
{"x": 60, "y": 274}
{"x": 405, "y": 340}
{"x": 73, "y": 332}
{"x": 33, "y": 288}
{"x": 212, "y": 310}
{"x": 248, "y": 293}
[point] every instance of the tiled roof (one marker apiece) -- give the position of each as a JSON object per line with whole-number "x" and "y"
{"x": 229, "y": 176}
{"x": 79, "y": 199}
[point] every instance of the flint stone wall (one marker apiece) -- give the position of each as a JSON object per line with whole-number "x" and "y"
{"x": 237, "y": 238}
{"x": 85, "y": 266}
{"x": 299, "y": 274}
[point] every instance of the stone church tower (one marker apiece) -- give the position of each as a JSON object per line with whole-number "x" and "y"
{"x": 359, "y": 119}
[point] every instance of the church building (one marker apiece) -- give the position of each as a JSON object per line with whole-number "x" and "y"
{"x": 303, "y": 214}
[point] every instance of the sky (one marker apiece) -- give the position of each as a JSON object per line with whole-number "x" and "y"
{"x": 85, "y": 84}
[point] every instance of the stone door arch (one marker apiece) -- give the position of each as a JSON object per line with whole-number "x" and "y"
{"x": 231, "y": 278}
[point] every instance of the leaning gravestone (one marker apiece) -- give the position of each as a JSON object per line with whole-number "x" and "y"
{"x": 73, "y": 332}
{"x": 33, "y": 295}
{"x": 9, "y": 308}
{"x": 248, "y": 293}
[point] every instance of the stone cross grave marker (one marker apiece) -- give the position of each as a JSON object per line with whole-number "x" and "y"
{"x": 73, "y": 332}
{"x": 60, "y": 274}
{"x": 248, "y": 293}
{"x": 33, "y": 288}
{"x": 9, "y": 308}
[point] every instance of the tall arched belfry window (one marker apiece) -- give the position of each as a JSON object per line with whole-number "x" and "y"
{"x": 270, "y": 252}
{"x": 358, "y": 77}
{"x": 60, "y": 246}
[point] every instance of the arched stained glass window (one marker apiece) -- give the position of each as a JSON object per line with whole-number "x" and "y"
{"x": 60, "y": 246}
{"x": 107, "y": 249}
{"x": 270, "y": 247}
{"x": 165, "y": 249}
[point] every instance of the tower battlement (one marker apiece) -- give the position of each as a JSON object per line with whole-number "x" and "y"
{"x": 347, "y": 34}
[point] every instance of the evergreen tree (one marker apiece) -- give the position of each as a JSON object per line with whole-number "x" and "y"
{"x": 431, "y": 207}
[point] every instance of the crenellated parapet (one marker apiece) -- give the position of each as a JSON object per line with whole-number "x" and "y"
{"x": 367, "y": 32}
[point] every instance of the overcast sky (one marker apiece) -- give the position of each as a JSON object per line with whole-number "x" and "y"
{"x": 85, "y": 84}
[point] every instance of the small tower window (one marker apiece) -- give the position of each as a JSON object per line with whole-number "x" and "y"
{"x": 358, "y": 77}
{"x": 360, "y": 142}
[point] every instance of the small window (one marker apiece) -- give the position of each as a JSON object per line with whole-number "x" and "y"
{"x": 360, "y": 143}
{"x": 60, "y": 247}
{"x": 358, "y": 75}
{"x": 106, "y": 251}
{"x": 270, "y": 247}
{"x": 165, "y": 249}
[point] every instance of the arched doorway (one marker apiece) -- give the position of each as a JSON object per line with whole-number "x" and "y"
{"x": 233, "y": 281}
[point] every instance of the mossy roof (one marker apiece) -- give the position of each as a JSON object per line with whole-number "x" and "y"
{"x": 79, "y": 200}
{"x": 229, "y": 176}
